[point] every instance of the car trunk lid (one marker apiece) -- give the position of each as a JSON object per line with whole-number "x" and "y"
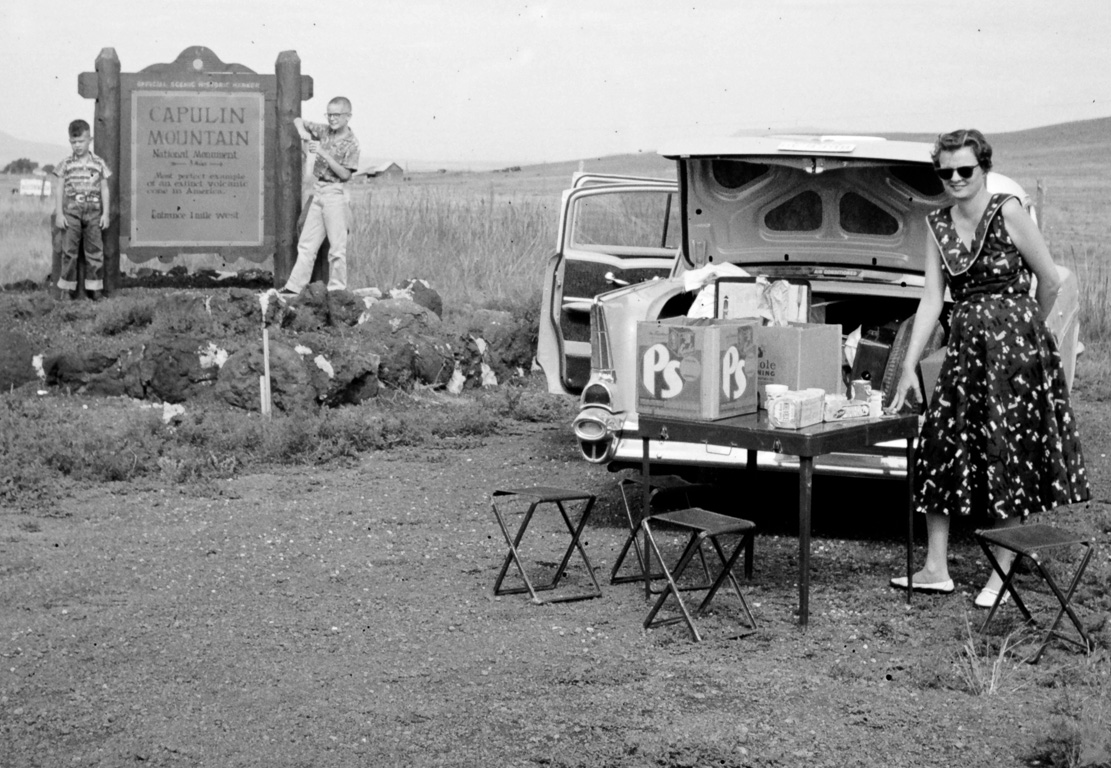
{"x": 838, "y": 202}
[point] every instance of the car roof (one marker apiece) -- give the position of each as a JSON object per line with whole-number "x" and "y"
{"x": 804, "y": 145}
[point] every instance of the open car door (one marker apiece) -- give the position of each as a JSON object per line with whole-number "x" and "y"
{"x": 613, "y": 232}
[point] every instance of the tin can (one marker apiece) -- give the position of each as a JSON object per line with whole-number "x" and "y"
{"x": 772, "y": 391}
{"x": 862, "y": 389}
{"x": 875, "y": 404}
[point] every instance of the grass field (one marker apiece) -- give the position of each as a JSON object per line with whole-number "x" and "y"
{"x": 473, "y": 244}
{"x": 24, "y": 236}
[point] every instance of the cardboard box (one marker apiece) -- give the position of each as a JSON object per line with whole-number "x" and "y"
{"x": 841, "y": 409}
{"x": 800, "y": 355}
{"x": 757, "y": 297}
{"x": 696, "y": 368}
{"x": 796, "y": 410}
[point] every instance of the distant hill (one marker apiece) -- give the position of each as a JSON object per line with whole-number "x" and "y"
{"x": 1094, "y": 133}
{"x": 646, "y": 163}
{"x": 430, "y": 166}
{"x": 42, "y": 153}
{"x": 1087, "y": 135}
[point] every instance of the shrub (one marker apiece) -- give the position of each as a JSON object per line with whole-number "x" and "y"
{"x": 25, "y": 238}
{"x": 119, "y": 317}
{"x": 47, "y": 443}
{"x": 1078, "y": 730}
{"x": 474, "y": 245}
{"x": 985, "y": 670}
{"x": 181, "y": 313}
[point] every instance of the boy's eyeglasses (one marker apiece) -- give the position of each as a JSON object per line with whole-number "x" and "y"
{"x": 338, "y": 114}
{"x": 964, "y": 171}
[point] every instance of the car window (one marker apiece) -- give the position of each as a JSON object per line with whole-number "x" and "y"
{"x": 617, "y": 221}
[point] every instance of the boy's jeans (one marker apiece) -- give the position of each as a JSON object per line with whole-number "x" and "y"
{"x": 327, "y": 216}
{"x": 82, "y": 228}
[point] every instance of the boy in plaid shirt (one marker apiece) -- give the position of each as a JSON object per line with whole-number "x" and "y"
{"x": 81, "y": 209}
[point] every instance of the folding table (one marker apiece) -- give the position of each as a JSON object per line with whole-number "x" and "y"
{"x": 753, "y": 433}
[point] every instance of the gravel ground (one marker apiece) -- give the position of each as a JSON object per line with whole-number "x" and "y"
{"x": 345, "y": 617}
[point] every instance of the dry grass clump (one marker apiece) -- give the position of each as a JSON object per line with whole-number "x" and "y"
{"x": 25, "y": 250}
{"x": 1079, "y": 730}
{"x": 1093, "y": 271}
{"x": 49, "y": 443}
{"x": 116, "y": 318}
{"x": 1092, "y": 268}
{"x": 987, "y": 670}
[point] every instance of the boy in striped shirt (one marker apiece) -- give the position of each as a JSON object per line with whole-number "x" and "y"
{"x": 81, "y": 209}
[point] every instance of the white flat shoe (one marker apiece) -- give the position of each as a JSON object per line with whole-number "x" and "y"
{"x": 986, "y": 598}
{"x": 938, "y": 587}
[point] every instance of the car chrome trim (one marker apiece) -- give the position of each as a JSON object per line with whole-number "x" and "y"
{"x": 630, "y": 451}
{"x": 594, "y": 428}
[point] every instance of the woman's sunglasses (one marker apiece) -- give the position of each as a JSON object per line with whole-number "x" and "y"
{"x": 964, "y": 171}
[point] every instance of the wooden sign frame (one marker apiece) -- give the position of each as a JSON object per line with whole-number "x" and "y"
{"x": 204, "y": 158}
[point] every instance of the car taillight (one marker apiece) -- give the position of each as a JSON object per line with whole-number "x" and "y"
{"x": 600, "y": 358}
{"x": 596, "y": 394}
{"x": 591, "y": 431}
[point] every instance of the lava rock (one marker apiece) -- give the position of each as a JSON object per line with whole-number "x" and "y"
{"x": 291, "y": 387}
{"x": 173, "y": 370}
{"x": 16, "y": 360}
{"x": 309, "y": 311}
{"x": 422, "y": 293}
{"x": 507, "y": 343}
{"x": 411, "y": 343}
{"x": 238, "y": 313}
{"x": 75, "y": 370}
{"x": 343, "y": 369}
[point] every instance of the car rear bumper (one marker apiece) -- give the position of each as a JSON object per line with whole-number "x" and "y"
{"x": 889, "y": 460}
{"x": 604, "y": 438}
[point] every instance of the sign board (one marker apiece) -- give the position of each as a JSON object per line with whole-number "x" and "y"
{"x": 198, "y": 161}
{"x": 800, "y": 355}
{"x": 35, "y": 187}
{"x": 197, "y": 168}
{"x": 204, "y": 157}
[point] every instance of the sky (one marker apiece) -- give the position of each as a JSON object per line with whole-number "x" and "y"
{"x": 506, "y": 82}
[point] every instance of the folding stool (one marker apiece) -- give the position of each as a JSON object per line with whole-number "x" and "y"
{"x": 657, "y": 485}
{"x": 702, "y": 525}
{"x": 1031, "y": 541}
{"x": 536, "y": 497}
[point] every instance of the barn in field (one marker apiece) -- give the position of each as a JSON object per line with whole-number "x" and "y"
{"x": 381, "y": 171}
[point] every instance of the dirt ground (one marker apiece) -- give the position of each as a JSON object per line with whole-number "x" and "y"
{"x": 345, "y": 617}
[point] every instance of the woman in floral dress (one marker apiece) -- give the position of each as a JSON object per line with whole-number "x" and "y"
{"x": 999, "y": 436}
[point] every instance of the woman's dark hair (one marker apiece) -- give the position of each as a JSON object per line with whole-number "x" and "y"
{"x": 965, "y": 137}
